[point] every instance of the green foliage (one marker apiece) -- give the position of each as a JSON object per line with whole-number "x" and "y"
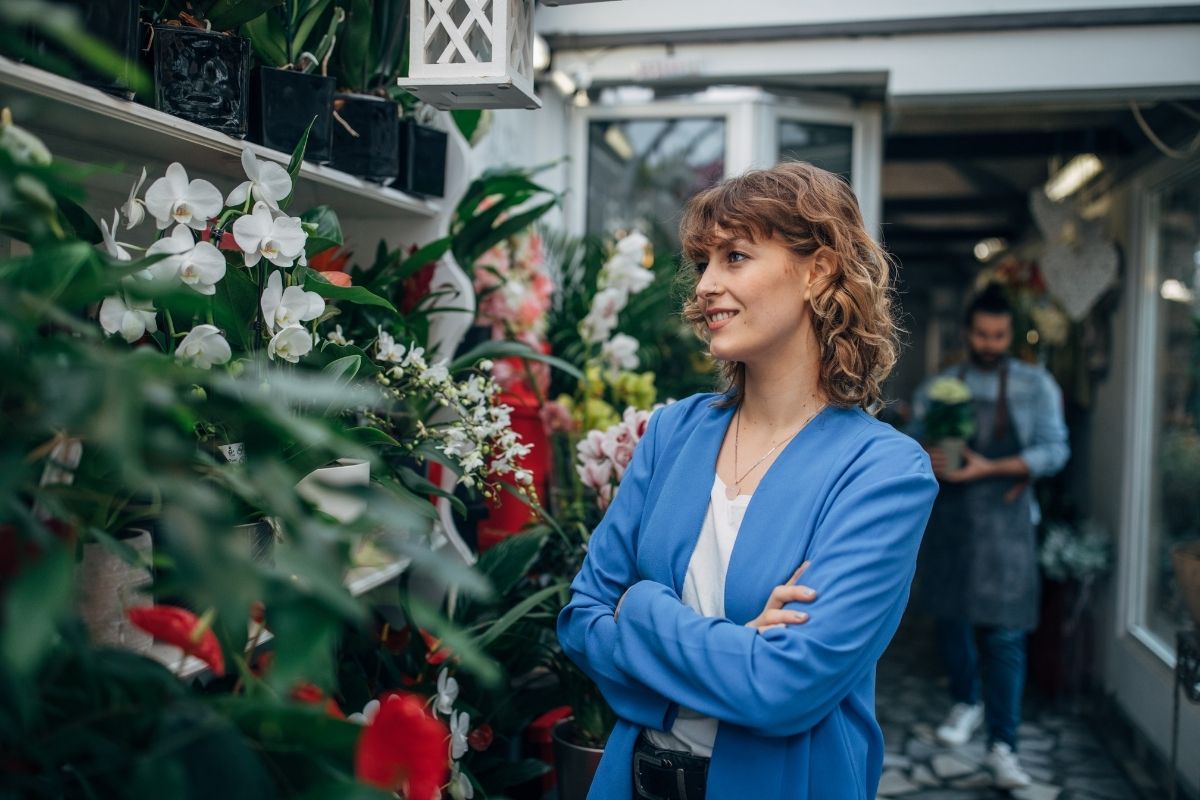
{"x": 221, "y": 15}
{"x": 297, "y": 34}
{"x": 374, "y": 41}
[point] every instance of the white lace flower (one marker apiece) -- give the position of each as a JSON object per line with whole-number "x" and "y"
{"x": 337, "y": 337}
{"x": 460, "y": 723}
{"x": 620, "y": 352}
{"x": 460, "y": 785}
{"x": 130, "y": 319}
{"x": 290, "y": 344}
{"x": 199, "y": 265}
{"x": 111, "y": 245}
{"x": 269, "y": 182}
{"x": 447, "y": 692}
{"x": 203, "y": 347}
{"x": 260, "y": 234}
{"x": 174, "y": 199}
{"x": 134, "y": 209}
{"x": 285, "y": 308}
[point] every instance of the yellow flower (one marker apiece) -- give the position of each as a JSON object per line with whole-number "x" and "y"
{"x": 949, "y": 391}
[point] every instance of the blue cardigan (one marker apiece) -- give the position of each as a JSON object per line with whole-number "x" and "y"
{"x": 796, "y": 704}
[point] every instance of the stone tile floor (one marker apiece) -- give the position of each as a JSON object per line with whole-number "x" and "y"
{"x": 1065, "y": 759}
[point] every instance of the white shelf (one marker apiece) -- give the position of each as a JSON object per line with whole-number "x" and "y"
{"x": 358, "y": 581}
{"x": 84, "y": 124}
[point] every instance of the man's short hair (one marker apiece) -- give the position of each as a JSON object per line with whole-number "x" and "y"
{"x": 991, "y": 300}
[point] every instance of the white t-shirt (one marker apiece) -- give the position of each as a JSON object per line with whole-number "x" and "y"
{"x": 704, "y": 592}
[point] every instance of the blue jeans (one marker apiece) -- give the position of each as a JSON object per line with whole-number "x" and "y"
{"x": 1003, "y": 673}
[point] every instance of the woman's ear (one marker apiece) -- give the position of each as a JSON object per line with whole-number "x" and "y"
{"x": 822, "y": 267}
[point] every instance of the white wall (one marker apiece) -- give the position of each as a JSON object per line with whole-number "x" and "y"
{"x": 670, "y": 15}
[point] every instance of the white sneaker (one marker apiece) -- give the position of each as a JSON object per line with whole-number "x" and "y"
{"x": 1002, "y": 761}
{"x": 962, "y": 722}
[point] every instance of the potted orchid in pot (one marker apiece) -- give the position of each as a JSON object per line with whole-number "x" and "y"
{"x": 201, "y": 64}
{"x": 292, "y": 88}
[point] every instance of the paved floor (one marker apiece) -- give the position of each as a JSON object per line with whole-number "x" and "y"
{"x": 1058, "y": 750}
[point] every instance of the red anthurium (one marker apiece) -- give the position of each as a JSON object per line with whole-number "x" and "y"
{"x": 403, "y": 748}
{"x": 312, "y": 694}
{"x": 437, "y": 651}
{"x": 182, "y": 628}
{"x": 481, "y": 738}
{"x": 333, "y": 259}
{"x": 416, "y": 286}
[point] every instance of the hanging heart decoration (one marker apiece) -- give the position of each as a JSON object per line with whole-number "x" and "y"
{"x": 1079, "y": 264}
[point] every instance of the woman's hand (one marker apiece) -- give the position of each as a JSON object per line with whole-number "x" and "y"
{"x": 774, "y": 615}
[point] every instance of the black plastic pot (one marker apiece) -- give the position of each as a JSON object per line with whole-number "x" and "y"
{"x": 284, "y": 102}
{"x": 374, "y": 152}
{"x": 202, "y": 77}
{"x": 114, "y": 22}
{"x": 422, "y": 160}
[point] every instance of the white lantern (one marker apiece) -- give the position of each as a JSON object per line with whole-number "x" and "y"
{"x": 472, "y": 53}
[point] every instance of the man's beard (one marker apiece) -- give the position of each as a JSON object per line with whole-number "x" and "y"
{"x": 987, "y": 361}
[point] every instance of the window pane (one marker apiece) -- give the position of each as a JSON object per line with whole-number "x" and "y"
{"x": 1175, "y": 502}
{"x": 641, "y": 172}
{"x": 826, "y": 146}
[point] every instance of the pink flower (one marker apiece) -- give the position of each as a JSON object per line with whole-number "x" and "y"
{"x": 595, "y": 474}
{"x": 556, "y": 417}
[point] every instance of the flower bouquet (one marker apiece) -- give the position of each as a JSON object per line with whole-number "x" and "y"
{"x": 949, "y": 422}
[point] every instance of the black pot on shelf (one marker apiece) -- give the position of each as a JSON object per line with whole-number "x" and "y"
{"x": 374, "y": 152}
{"x": 284, "y": 102}
{"x": 202, "y": 77}
{"x": 422, "y": 160}
{"x": 113, "y": 22}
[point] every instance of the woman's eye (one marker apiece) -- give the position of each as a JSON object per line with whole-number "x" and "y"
{"x": 736, "y": 255}
{"x": 701, "y": 266}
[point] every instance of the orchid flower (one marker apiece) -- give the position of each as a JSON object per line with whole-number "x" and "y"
{"x": 290, "y": 344}
{"x": 386, "y": 348}
{"x": 130, "y": 319}
{"x": 337, "y": 337}
{"x": 260, "y": 234}
{"x": 174, "y": 199}
{"x": 134, "y": 209}
{"x": 602, "y": 317}
{"x": 200, "y": 265}
{"x": 285, "y": 308}
{"x": 460, "y": 787}
{"x": 620, "y": 352}
{"x": 111, "y": 245}
{"x": 204, "y": 346}
{"x": 269, "y": 182}
{"x": 365, "y": 716}
{"x": 460, "y": 723}
{"x": 447, "y": 692}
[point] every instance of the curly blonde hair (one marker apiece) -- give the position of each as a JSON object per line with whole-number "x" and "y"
{"x": 806, "y": 209}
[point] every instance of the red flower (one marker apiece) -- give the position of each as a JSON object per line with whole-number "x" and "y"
{"x": 481, "y": 738}
{"x": 338, "y": 278}
{"x": 311, "y": 693}
{"x": 437, "y": 652}
{"x": 227, "y": 241}
{"x": 331, "y": 260}
{"x": 182, "y": 628}
{"x": 416, "y": 285}
{"x": 403, "y": 748}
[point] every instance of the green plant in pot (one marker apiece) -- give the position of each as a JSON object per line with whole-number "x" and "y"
{"x": 201, "y": 64}
{"x": 950, "y": 421}
{"x": 368, "y": 60}
{"x": 292, "y": 87}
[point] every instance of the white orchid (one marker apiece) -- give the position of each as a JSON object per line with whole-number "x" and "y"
{"x": 620, "y": 352}
{"x": 131, "y": 319}
{"x": 111, "y": 245}
{"x": 460, "y": 786}
{"x": 602, "y": 317}
{"x": 386, "y": 348}
{"x": 134, "y": 209}
{"x": 203, "y": 347}
{"x": 269, "y": 182}
{"x": 290, "y": 344}
{"x": 285, "y": 308}
{"x": 447, "y": 692}
{"x": 174, "y": 199}
{"x": 365, "y": 716}
{"x": 199, "y": 265}
{"x": 627, "y": 269}
{"x": 337, "y": 337}
{"x": 260, "y": 234}
{"x": 460, "y": 723}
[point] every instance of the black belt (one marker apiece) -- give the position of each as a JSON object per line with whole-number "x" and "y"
{"x": 667, "y": 774}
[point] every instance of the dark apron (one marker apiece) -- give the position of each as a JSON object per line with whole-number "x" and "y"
{"x": 978, "y": 560}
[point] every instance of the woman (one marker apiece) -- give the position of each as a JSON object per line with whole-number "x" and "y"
{"x": 687, "y": 612}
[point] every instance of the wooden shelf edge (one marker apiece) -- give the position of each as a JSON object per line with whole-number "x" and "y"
{"x": 38, "y": 84}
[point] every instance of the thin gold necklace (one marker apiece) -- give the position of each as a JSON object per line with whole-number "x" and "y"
{"x": 733, "y": 491}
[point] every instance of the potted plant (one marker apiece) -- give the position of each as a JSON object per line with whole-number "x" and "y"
{"x": 292, "y": 88}
{"x": 111, "y": 22}
{"x": 422, "y": 158}
{"x": 365, "y": 130}
{"x": 201, "y": 64}
{"x": 949, "y": 421}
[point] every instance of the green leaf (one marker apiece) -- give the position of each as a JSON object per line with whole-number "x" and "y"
{"x": 268, "y": 39}
{"x": 236, "y": 305}
{"x": 509, "y": 561}
{"x": 421, "y": 485}
{"x": 307, "y": 23}
{"x": 80, "y": 221}
{"x": 505, "y": 349}
{"x": 371, "y": 437}
{"x": 325, "y": 229}
{"x": 515, "y": 614}
{"x": 344, "y": 369}
{"x": 467, "y": 121}
{"x": 293, "y": 170}
{"x": 36, "y": 600}
{"x": 502, "y": 231}
{"x": 351, "y": 294}
{"x": 226, "y": 15}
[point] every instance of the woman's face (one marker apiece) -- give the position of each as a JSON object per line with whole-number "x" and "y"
{"x": 754, "y": 296}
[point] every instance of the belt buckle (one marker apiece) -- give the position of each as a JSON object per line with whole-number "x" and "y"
{"x": 680, "y": 784}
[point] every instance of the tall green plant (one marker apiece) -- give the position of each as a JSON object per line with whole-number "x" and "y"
{"x": 373, "y": 47}
{"x": 299, "y": 34}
